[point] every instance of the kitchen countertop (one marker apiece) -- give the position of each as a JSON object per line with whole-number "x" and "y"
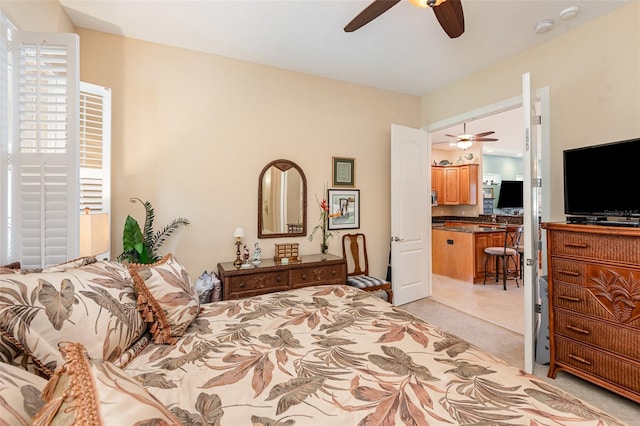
{"x": 472, "y": 229}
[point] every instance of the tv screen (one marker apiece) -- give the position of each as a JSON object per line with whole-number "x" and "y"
{"x": 510, "y": 196}
{"x": 603, "y": 180}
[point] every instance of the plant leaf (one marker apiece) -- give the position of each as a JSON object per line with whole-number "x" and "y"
{"x": 132, "y": 236}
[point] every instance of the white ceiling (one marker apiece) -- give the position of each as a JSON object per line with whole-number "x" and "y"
{"x": 508, "y": 128}
{"x": 404, "y": 50}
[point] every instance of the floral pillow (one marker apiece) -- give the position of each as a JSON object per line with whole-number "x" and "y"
{"x": 88, "y": 392}
{"x": 94, "y": 304}
{"x": 20, "y": 397}
{"x": 166, "y": 297}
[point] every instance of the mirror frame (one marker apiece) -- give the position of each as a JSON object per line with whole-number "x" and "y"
{"x": 283, "y": 165}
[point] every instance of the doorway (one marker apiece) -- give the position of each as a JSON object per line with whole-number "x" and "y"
{"x": 497, "y": 160}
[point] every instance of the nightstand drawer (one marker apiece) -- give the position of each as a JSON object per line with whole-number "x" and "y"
{"x": 623, "y": 372}
{"x": 272, "y": 281}
{"x": 331, "y": 274}
{"x": 612, "y": 337}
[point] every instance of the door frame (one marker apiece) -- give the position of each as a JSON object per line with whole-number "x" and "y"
{"x": 541, "y": 99}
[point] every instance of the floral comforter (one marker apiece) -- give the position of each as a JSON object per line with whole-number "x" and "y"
{"x": 335, "y": 355}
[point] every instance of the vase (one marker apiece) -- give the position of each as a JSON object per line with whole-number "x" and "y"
{"x": 324, "y": 250}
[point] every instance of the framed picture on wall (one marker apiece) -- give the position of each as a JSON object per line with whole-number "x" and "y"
{"x": 344, "y": 171}
{"x": 344, "y": 208}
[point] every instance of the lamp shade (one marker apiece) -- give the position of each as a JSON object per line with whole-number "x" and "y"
{"x": 238, "y": 233}
{"x": 94, "y": 234}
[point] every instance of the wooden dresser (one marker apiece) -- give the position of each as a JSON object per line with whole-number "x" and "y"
{"x": 269, "y": 276}
{"x": 594, "y": 301}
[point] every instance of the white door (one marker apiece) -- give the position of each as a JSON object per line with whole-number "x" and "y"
{"x": 410, "y": 214}
{"x": 531, "y": 213}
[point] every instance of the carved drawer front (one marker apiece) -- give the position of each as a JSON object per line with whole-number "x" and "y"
{"x": 270, "y": 281}
{"x": 578, "y": 299}
{"x": 568, "y": 271}
{"x": 622, "y": 340}
{"x": 325, "y": 274}
{"x": 619, "y": 248}
{"x": 621, "y": 371}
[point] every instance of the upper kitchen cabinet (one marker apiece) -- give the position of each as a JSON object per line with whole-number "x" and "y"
{"x": 456, "y": 185}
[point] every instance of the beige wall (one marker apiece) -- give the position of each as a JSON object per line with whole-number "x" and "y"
{"x": 32, "y": 15}
{"x": 593, "y": 75}
{"x": 192, "y": 131}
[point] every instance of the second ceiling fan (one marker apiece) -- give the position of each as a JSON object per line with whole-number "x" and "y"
{"x": 448, "y": 12}
{"x": 465, "y": 140}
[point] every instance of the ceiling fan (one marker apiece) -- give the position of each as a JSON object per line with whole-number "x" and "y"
{"x": 465, "y": 140}
{"x": 448, "y": 12}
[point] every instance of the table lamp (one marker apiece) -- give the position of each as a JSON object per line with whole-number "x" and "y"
{"x": 94, "y": 233}
{"x": 238, "y": 234}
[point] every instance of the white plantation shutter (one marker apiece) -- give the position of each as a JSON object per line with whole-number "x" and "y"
{"x": 5, "y": 28}
{"x": 44, "y": 151}
{"x": 95, "y": 148}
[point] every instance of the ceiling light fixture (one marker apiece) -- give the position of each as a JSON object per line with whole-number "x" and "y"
{"x": 544, "y": 26}
{"x": 569, "y": 13}
{"x": 464, "y": 144}
{"x": 426, "y": 3}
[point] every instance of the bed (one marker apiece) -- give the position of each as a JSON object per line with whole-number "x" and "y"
{"x": 338, "y": 355}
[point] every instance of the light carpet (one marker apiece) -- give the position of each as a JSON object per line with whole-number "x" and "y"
{"x": 509, "y": 345}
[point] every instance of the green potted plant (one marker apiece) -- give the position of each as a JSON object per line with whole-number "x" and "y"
{"x": 141, "y": 246}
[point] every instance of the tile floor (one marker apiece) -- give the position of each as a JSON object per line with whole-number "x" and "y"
{"x": 489, "y": 302}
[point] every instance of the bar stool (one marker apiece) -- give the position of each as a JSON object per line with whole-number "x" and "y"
{"x": 504, "y": 254}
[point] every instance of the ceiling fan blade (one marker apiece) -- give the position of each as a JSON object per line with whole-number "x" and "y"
{"x": 371, "y": 12}
{"x": 479, "y": 135}
{"x": 451, "y": 136}
{"x": 451, "y": 17}
{"x": 485, "y": 140}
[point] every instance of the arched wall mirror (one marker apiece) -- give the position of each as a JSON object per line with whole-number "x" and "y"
{"x": 282, "y": 200}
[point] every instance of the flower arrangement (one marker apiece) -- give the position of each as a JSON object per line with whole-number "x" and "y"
{"x": 324, "y": 223}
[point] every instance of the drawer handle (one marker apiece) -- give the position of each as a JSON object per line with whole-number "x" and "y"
{"x": 241, "y": 284}
{"x": 278, "y": 279}
{"x": 304, "y": 276}
{"x": 569, "y": 298}
{"x": 572, "y": 273}
{"x": 579, "y": 359}
{"x": 578, "y": 329}
{"x": 576, "y": 245}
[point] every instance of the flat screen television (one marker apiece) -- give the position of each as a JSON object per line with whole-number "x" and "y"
{"x": 603, "y": 180}
{"x": 510, "y": 196}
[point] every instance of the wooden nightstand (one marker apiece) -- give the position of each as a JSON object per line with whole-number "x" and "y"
{"x": 269, "y": 276}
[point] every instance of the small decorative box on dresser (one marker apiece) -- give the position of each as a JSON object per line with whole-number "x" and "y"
{"x": 269, "y": 276}
{"x": 594, "y": 300}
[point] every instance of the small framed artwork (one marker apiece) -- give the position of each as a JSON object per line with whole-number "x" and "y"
{"x": 344, "y": 208}
{"x": 344, "y": 171}
{"x": 487, "y": 192}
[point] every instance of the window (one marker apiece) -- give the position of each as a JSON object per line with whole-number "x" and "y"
{"x": 42, "y": 159}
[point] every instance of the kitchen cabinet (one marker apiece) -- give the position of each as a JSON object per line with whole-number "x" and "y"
{"x": 456, "y": 185}
{"x": 437, "y": 182}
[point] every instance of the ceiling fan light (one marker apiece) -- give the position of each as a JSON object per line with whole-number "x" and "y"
{"x": 426, "y": 3}
{"x": 464, "y": 144}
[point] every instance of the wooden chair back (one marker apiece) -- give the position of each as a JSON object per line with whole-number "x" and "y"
{"x": 356, "y": 246}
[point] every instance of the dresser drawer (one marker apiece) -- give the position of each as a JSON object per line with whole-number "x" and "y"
{"x": 568, "y": 271}
{"x": 619, "y": 248}
{"x": 271, "y": 281}
{"x": 608, "y": 336}
{"x": 331, "y": 274}
{"x": 619, "y": 371}
{"x": 578, "y": 299}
